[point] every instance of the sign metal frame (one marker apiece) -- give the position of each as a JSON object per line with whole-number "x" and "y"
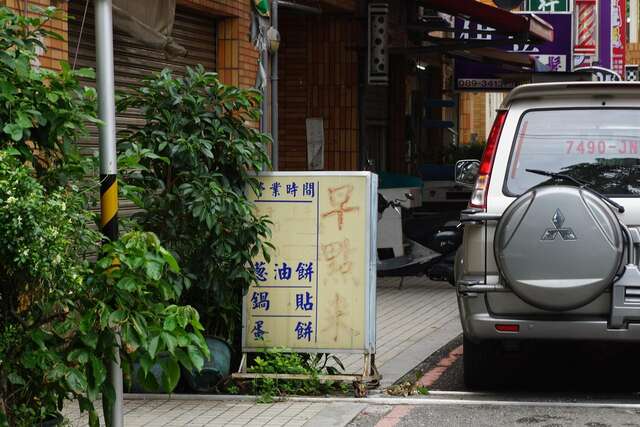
{"x": 369, "y": 373}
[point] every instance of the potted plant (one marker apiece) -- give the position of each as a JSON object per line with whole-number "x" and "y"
{"x": 187, "y": 168}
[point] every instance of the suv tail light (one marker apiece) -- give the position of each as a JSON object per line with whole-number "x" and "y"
{"x": 481, "y": 188}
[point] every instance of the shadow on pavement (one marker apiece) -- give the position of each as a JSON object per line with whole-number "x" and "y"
{"x": 573, "y": 367}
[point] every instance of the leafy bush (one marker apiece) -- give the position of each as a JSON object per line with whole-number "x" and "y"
{"x": 42, "y": 239}
{"x": 63, "y": 300}
{"x": 188, "y": 167}
{"x": 42, "y": 111}
{"x": 60, "y": 314}
{"x": 283, "y": 361}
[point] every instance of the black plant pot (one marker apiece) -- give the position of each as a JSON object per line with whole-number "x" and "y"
{"x": 52, "y": 421}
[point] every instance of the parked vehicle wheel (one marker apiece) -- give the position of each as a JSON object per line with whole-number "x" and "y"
{"x": 479, "y": 360}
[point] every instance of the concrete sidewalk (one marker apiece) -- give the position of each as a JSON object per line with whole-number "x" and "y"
{"x": 412, "y": 323}
{"x": 166, "y": 412}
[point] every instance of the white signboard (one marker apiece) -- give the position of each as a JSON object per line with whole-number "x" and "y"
{"x": 317, "y": 291}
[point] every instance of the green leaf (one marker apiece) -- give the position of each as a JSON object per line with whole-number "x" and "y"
{"x": 153, "y": 270}
{"x": 127, "y": 283}
{"x": 169, "y": 324}
{"x": 76, "y": 381}
{"x": 15, "y": 379}
{"x": 148, "y": 381}
{"x": 98, "y": 370}
{"x": 153, "y": 346}
{"x": 117, "y": 317}
{"x": 86, "y": 73}
{"x": 196, "y": 357}
{"x": 170, "y": 341}
{"x": 53, "y": 97}
{"x": 90, "y": 339}
{"x": 94, "y": 420}
{"x": 13, "y": 130}
{"x": 169, "y": 259}
{"x": 79, "y": 355}
{"x": 170, "y": 374}
{"x": 145, "y": 363}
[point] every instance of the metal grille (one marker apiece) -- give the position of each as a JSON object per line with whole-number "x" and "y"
{"x": 133, "y": 61}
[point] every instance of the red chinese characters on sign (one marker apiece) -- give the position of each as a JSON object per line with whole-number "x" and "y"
{"x": 618, "y": 35}
{"x": 586, "y": 42}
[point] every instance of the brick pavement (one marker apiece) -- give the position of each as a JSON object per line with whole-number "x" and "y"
{"x": 412, "y": 323}
{"x": 195, "y": 413}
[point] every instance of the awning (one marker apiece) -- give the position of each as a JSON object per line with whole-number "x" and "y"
{"x": 503, "y": 21}
{"x": 507, "y": 60}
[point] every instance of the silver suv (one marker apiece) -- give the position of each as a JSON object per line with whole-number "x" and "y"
{"x": 552, "y": 234}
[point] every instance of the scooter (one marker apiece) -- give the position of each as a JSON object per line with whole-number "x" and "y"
{"x": 431, "y": 254}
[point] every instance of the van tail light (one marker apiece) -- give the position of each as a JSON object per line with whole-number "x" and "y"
{"x": 481, "y": 188}
{"x": 514, "y": 328}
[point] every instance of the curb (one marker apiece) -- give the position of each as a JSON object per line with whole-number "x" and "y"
{"x": 459, "y": 398}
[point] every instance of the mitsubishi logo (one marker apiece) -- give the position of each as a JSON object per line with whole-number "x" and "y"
{"x": 558, "y": 222}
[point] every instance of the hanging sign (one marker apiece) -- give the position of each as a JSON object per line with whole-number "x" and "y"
{"x": 586, "y": 42}
{"x": 552, "y": 56}
{"x": 618, "y": 35}
{"x": 542, "y": 6}
{"x": 317, "y": 291}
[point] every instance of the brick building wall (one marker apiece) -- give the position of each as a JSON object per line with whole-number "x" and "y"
{"x": 57, "y": 50}
{"x": 632, "y": 53}
{"x": 318, "y": 78}
{"x": 471, "y": 116}
{"x": 237, "y": 59}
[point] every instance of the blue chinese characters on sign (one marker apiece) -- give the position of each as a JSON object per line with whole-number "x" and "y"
{"x": 283, "y": 273}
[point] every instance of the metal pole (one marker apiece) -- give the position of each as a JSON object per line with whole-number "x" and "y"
{"x": 274, "y": 91}
{"x": 300, "y": 7}
{"x": 108, "y": 170}
{"x": 264, "y": 59}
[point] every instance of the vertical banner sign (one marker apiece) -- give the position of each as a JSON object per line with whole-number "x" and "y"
{"x": 547, "y": 6}
{"x": 618, "y": 35}
{"x": 317, "y": 291}
{"x": 586, "y": 38}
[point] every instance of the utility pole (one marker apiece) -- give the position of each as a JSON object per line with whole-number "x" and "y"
{"x": 274, "y": 92}
{"x": 108, "y": 171}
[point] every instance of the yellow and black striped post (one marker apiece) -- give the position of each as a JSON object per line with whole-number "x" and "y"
{"x": 108, "y": 171}
{"x": 109, "y": 206}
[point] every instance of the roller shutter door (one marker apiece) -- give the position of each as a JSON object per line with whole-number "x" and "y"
{"x": 133, "y": 61}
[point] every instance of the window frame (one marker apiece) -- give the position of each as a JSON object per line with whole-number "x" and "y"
{"x": 514, "y": 142}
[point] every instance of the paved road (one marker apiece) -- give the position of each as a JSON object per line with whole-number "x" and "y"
{"x": 524, "y": 416}
{"x": 547, "y": 385}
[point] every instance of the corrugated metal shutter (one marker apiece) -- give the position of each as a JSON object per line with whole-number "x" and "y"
{"x": 132, "y": 61}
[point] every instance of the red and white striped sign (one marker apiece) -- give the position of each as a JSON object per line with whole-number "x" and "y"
{"x": 587, "y": 27}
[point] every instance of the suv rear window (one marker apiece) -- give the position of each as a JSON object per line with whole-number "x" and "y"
{"x": 601, "y": 146}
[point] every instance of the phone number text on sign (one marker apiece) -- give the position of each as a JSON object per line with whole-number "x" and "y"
{"x": 623, "y": 146}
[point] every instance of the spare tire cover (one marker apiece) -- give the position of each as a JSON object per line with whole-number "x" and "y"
{"x": 558, "y": 247}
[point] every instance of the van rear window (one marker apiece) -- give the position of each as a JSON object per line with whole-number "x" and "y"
{"x": 601, "y": 146}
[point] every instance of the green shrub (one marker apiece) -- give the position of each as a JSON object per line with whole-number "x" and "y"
{"x": 64, "y": 300}
{"x": 188, "y": 168}
{"x": 42, "y": 112}
{"x": 283, "y": 361}
{"x": 60, "y": 313}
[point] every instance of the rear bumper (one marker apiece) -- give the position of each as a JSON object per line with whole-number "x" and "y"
{"x": 479, "y": 324}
